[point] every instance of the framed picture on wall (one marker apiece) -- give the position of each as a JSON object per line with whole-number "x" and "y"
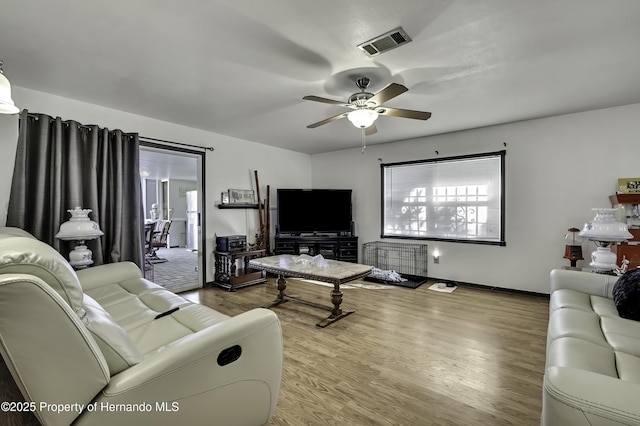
{"x": 629, "y": 185}
{"x": 241, "y": 196}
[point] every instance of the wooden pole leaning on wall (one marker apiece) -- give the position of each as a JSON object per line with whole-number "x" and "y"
{"x": 267, "y": 213}
{"x": 262, "y": 236}
{"x": 255, "y": 173}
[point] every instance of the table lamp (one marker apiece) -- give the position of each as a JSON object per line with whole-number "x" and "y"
{"x": 79, "y": 229}
{"x": 605, "y": 230}
{"x": 573, "y": 247}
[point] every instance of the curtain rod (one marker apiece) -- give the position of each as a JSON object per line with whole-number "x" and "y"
{"x": 37, "y": 116}
{"x": 206, "y": 148}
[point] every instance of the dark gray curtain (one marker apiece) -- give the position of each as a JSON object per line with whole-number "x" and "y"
{"x": 63, "y": 164}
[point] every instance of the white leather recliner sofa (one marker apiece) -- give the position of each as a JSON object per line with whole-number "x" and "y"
{"x": 104, "y": 346}
{"x": 592, "y": 373}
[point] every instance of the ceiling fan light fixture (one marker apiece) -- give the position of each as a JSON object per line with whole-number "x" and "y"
{"x": 6, "y": 103}
{"x": 362, "y": 118}
{"x": 366, "y": 107}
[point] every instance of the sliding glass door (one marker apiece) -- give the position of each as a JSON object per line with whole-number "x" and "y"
{"x": 170, "y": 178}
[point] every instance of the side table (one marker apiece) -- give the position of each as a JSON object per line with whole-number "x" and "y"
{"x": 229, "y": 276}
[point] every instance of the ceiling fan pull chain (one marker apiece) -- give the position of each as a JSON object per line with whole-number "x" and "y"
{"x": 364, "y": 146}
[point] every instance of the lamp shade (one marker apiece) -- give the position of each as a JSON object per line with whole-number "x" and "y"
{"x": 605, "y": 227}
{"x": 362, "y": 118}
{"x": 604, "y": 230}
{"x": 6, "y": 103}
{"x": 79, "y": 227}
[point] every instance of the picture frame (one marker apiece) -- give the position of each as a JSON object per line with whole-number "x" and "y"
{"x": 224, "y": 197}
{"x": 242, "y": 196}
{"x": 629, "y": 185}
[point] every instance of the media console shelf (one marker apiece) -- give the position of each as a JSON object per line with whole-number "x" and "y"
{"x": 344, "y": 248}
{"x": 228, "y": 276}
{"x": 628, "y": 249}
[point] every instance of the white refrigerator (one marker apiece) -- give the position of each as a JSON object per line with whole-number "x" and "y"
{"x": 193, "y": 220}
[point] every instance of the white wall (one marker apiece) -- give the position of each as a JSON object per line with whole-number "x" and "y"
{"x": 231, "y": 165}
{"x": 178, "y": 198}
{"x": 557, "y": 169}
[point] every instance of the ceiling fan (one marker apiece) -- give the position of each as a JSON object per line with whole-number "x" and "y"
{"x": 368, "y": 106}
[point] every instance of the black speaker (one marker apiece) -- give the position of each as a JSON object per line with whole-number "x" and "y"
{"x": 231, "y": 243}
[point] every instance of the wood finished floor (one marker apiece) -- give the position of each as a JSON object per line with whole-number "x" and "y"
{"x": 405, "y": 357}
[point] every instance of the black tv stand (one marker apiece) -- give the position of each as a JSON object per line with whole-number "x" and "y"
{"x": 337, "y": 247}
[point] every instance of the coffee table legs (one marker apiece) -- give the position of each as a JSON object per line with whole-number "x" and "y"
{"x": 336, "y": 313}
{"x": 282, "y": 285}
{"x": 281, "y": 297}
{"x": 336, "y": 299}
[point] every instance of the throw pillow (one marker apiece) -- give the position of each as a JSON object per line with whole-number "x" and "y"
{"x": 626, "y": 294}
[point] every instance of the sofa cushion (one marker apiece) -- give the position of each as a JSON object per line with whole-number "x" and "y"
{"x": 622, "y": 334}
{"x": 566, "y": 298}
{"x": 626, "y": 295}
{"x": 117, "y": 347}
{"x": 577, "y": 324}
{"x": 604, "y": 307}
{"x": 10, "y": 231}
{"x": 24, "y": 255}
{"x": 582, "y": 355}
{"x": 628, "y": 367}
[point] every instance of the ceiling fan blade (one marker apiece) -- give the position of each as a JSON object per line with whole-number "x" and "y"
{"x": 325, "y": 100}
{"x": 370, "y": 130}
{"x": 406, "y": 113}
{"x": 389, "y": 92}
{"x": 328, "y": 120}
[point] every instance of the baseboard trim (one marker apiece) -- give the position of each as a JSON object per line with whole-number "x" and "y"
{"x": 493, "y": 288}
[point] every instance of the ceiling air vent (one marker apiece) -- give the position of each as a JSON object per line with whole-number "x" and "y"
{"x": 384, "y": 42}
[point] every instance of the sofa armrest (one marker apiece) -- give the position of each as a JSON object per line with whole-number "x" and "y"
{"x": 109, "y": 273}
{"x": 579, "y": 397}
{"x": 585, "y": 282}
{"x": 256, "y": 331}
{"x": 189, "y": 373}
{"x": 49, "y": 351}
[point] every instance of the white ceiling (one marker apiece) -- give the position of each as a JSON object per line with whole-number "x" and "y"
{"x": 241, "y": 67}
{"x": 161, "y": 164}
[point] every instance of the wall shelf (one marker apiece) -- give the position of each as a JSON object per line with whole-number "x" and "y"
{"x": 238, "y": 206}
{"x": 625, "y": 250}
{"x": 624, "y": 199}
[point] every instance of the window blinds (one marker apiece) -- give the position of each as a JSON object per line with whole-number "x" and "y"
{"x": 455, "y": 198}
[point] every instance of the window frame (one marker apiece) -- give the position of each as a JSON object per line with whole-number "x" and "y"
{"x": 499, "y": 242}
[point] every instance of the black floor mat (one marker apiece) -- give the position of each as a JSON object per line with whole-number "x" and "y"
{"x": 412, "y": 281}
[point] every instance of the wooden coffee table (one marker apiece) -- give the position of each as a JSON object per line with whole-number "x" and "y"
{"x": 319, "y": 269}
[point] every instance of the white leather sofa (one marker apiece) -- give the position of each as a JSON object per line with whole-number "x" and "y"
{"x": 104, "y": 346}
{"x": 592, "y": 374}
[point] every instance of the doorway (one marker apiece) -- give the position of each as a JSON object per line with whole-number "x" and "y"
{"x": 170, "y": 177}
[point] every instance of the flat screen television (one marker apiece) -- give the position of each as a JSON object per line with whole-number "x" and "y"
{"x": 314, "y": 211}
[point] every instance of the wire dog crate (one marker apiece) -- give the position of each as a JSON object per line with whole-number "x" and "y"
{"x": 409, "y": 260}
